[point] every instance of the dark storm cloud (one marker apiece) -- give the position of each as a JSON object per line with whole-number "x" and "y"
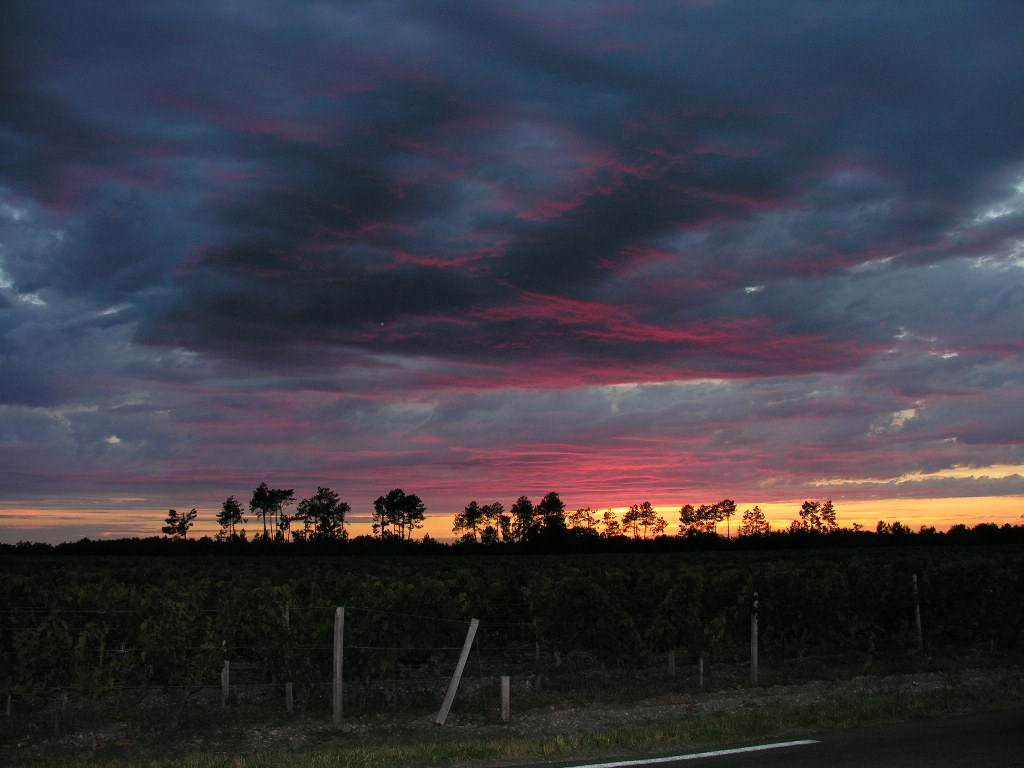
{"x": 323, "y": 170}
{"x": 436, "y": 223}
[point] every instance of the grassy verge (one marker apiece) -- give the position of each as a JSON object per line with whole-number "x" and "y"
{"x": 756, "y": 714}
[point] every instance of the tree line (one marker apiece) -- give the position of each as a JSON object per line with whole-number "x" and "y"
{"x": 320, "y": 517}
{"x": 398, "y": 515}
{"x": 489, "y": 523}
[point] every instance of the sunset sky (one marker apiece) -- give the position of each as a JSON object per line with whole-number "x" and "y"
{"x": 673, "y": 251}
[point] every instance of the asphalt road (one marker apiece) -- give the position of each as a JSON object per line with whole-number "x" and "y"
{"x": 989, "y": 739}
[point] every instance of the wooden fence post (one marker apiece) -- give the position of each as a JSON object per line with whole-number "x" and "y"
{"x": 753, "y": 643}
{"x": 453, "y": 686}
{"x": 917, "y": 616}
{"x": 506, "y": 707}
{"x": 289, "y": 688}
{"x": 225, "y": 683}
{"x": 339, "y": 632}
{"x": 672, "y": 663}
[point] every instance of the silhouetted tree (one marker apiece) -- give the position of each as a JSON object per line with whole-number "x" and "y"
{"x": 229, "y": 517}
{"x": 694, "y": 521}
{"x": 582, "y": 519}
{"x": 413, "y": 513}
{"x": 551, "y": 513}
{"x": 177, "y": 525}
{"x": 687, "y": 520}
{"x": 268, "y": 502}
{"x": 522, "y": 518}
{"x": 828, "y": 516}
{"x": 650, "y": 520}
{"x": 817, "y": 517}
{"x": 754, "y": 523}
{"x": 725, "y": 509}
{"x": 496, "y": 523}
{"x": 610, "y": 526}
{"x": 259, "y": 505}
{"x": 386, "y": 514}
{"x": 402, "y": 513}
{"x": 323, "y": 515}
{"x": 641, "y": 518}
{"x": 631, "y": 521}
{"x": 892, "y": 529}
{"x": 467, "y": 521}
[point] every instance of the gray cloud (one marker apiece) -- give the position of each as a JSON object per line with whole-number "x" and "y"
{"x": 683, "y": 246}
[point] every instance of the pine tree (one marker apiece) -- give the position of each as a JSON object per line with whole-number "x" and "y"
{"x": 754, "y": 523}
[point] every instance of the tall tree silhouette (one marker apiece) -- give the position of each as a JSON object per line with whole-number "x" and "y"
{"x": 400, "y": 512}
{"x": 323, "y": 515}
{"x": 551, "y": 513}
{"x": 229, "y": 517}
{"x": 754, "y": 523}
{"x": 177, "y": 524}
{"x": 468, "y": 521}
{"x": 641, "y": 518}
{"x": 726, "y": 508}
{"x": 817, "y": 517}
{"x": 610, "y": 525}
{"x": 522, "y": 518}
{"x": 582, "y": 519}
{"x": 268, "y": 502}
{"x": 495, "y": 521}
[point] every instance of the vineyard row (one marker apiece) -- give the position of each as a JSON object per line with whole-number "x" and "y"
{"x": 95, "y": 625}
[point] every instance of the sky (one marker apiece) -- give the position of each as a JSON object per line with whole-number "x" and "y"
{"x": 668, "y": 251}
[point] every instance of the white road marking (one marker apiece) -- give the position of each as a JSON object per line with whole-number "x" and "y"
{"x": 700, "y": 755}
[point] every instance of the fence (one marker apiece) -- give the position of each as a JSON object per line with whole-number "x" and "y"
{"x": 564, "y": 624}
{"x": 298, "y": 652}
{"x": 53, "y": 657}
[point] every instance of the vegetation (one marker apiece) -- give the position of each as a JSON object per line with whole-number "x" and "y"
{"x": 93, "y": 621}
{"x": 90, "y": 620}
{"x": 229, "y": 518}
{"x": 397, "y": 516}
{"x": 160, "y": 743}
{"x": 269, "y": 503}
{"x": 77, "y": 617}
{"x": 816, "y": 516}
{"x": 322, "y": 516}
{"x": 754, "y": 523}
{"x": 176, "y": 525}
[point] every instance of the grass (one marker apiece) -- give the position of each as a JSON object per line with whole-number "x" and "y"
{"x": 760, "y": 716}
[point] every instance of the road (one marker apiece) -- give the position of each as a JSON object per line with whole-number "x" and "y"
{"x": 989, "y": 739}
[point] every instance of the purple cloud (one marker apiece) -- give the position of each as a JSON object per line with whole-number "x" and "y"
{"x": 478, "y": 249}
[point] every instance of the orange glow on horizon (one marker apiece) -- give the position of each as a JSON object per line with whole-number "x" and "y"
{"x": 40, "y": 523}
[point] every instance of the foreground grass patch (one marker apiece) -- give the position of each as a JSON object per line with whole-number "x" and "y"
{"x": 759, "y": 717}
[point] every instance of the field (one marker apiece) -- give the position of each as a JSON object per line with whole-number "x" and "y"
{"x": 93, "y": 639}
